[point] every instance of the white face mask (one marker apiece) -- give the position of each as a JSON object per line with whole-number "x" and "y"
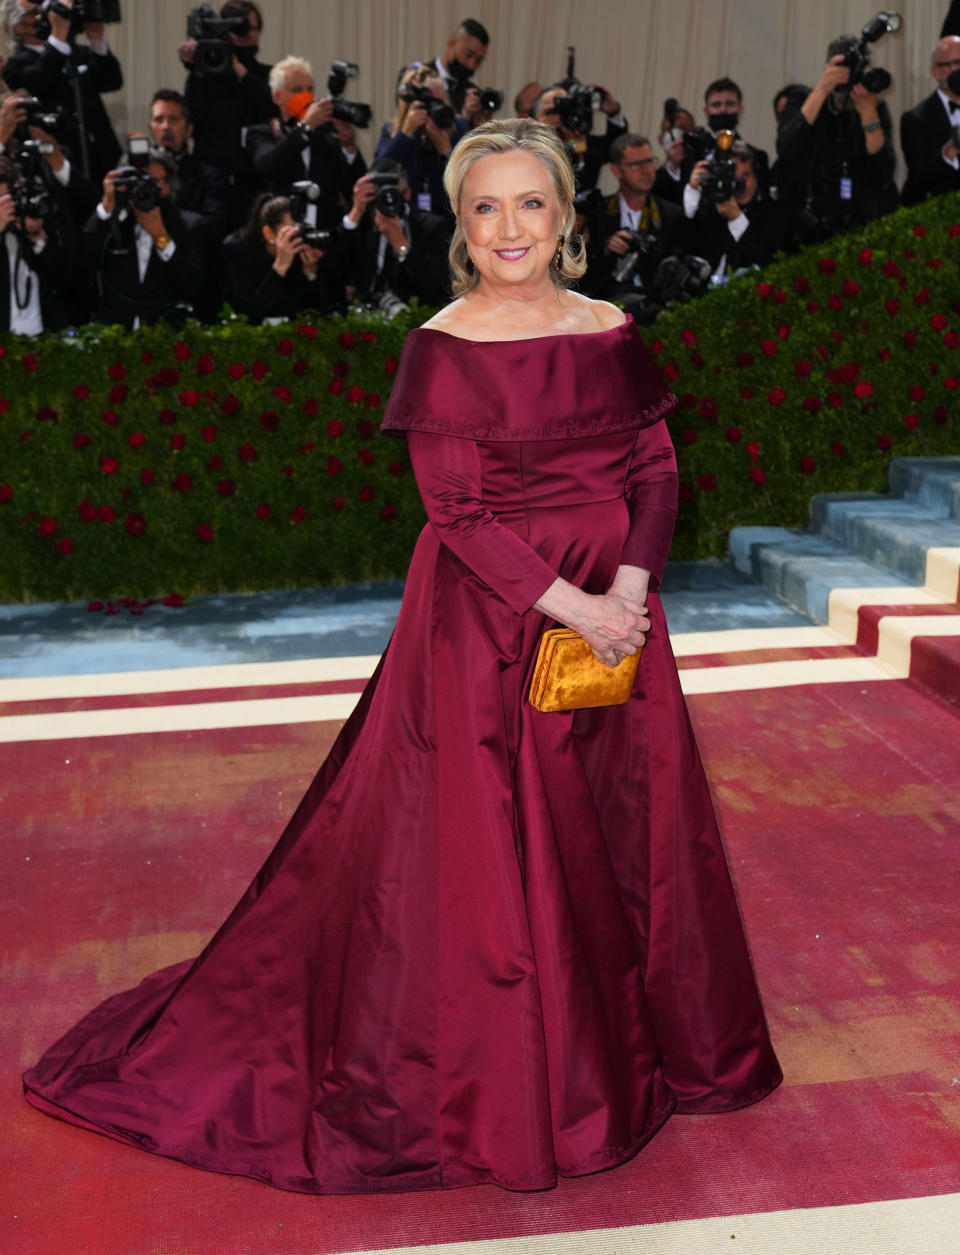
{"x": 670, "y": 137}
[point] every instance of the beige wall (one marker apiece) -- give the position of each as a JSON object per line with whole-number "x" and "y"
{"x": 643, "y": 50}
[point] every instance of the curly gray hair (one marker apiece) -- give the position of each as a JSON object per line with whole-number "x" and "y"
{"x": 10, "y": 15}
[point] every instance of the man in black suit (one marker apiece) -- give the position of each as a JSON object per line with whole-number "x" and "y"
{"x": 744, "y": 230}
{"x": 33, "y": 267}
{"x": 462, "y": 57}
{"x": 50, "y": 69}
{"x": 928, "y": 131}
{"x": 611, "y": 225}
{"x": 308, "y": 143}
{"x": 145, "y": 263}
{"x": 588, "y": 153}
{"x": 403, "y": 254}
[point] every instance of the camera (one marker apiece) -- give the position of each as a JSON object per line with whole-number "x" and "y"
{"x": 82, "y": 11}
{"x": 36, "y": 115}
{"x": 133, "y": 187}
{"x": 441, "y": 113}
{"x": 642, "y": 244}
{"x": 490, "y": 98}
{"x": 857, "y": 57}
{"x": 576, "y": 109}
{"x": 719, "y": 181}
{"x": 389, "y": 199}
{"x": 214, "y": 52}
{"x": 346, "y": 110}
{"x": 302, "y": 195}
{"x": 681, "y": 278}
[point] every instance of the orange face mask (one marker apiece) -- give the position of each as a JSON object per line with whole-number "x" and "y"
{"x": 299, "y": 103}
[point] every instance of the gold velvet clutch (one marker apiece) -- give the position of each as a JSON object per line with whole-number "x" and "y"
{"x": 568, "y": 677}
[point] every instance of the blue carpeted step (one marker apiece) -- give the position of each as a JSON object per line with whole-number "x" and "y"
{"x": 888, "y": 531}
{"x": 930, "y": 482}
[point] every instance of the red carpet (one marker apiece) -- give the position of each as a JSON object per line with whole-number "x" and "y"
{"x": 839, "y": 807}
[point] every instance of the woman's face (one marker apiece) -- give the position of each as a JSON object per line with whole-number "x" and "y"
{"x": 510, "y": 216}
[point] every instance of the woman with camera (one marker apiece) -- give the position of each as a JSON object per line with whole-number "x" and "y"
{"x": 272, "y": 272}
{"x": 422, "y": 135}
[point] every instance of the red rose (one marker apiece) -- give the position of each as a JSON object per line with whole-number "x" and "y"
{"x": 283, "y": 393}
{"x": 909, "y": 254}
{"x": 656, "y": 347}
{"x": 247, "y": 453}
{"x": 260, "y": 370}
{"x": 783, "y": 331}
{"x": 706, "y": 482}
{"x": 373, "y": 400}
{"x": 204, "y": 532}
{"x": 300, "y": 367}
{"x": 109, "y": 466}
{"x": 135, "y": 524}
{"x": 921, "y": 231}
{"x": 284, "y": 347}
{"x": 205, "y": 364}
{"x": 883, "y": 354}
{"x": 769, "y": 347}
{"x": 182, "y": 351}
{"x": 834, "y": 301}
{"x": 117, "y": 394}
{"x": 951, "y": 340}
{"x": 117, "y": 371}
{"x": 65, "y": 546}
{"x": 297, "y": 514}
{"x": 396, "y": 468}
{"x": 182, "y": 482}
{"x": 938, "y": 322}
{"x": 166, "y": 417}
{"x": 933, "y": 368}
{"x": 366, "y": 457}
{"x": 136, "y": 440}
{"x": 147, "y": 476}
{"x": 226, "y": 488}
{"x": 47, "y": 527}
{"x": 922, "y": 297}
{"x": 86, "y": 512}
{"x": 814, "y": 307}
{"x": 307, "y": 447}
{"x": 310, "y": 407}
{"x": 347, "y": 339}
{"x": 866, "y": 257}
{"x": 335, "y": 428}
{"x": 764, "y": 290}
{"x": 954, "y": 230}
{"x": 837, "y": 448}
{"x": 178, "y": 441}
{"x": 745, "y": 359}
{"x": 801, "y": 285}
{"x": 237, "y": 370}
{"x": 803, "y": 368}
{"x": 110, "y": 418}
{"x": 263, "y": 511}
{"x": 334, "y": 465}
{"x": 708, "y": 408}
{"x": 753, "y": 451}
{"x": 335, "y": 386}
{"x": 6, "y": 493}
{"x": 165, "y": 378}
{"x": 341, "y": 369}
{"x": 390, "y": 365}
{"x": 776, "y": 396}
{"x": 356, "y": 394}
{"x": 911, "y": 420}
{"x": 30, "y": 362}
{"x": 106, "y": 514}
{"x": 883, "y": 443}
{"x": 25, "y": 435}
{"x": 688, "y": 436}
{"x": 388, "y": 512}
{"x": 849, "y": 287}
{"x": 734, "y": 434}
{"x": 209, "y": 433}
{"x": 269, "y": 420}
{"x": 779, "y": 296}
{"x": 915, "y": 392}
{"x": 338, "y": 503}
{"x": 214, "y": 463}
{"x": 365, "y": 427}
{"x": 670, "y": 371}
{"x": 808, "y": 465}
{"x": 757, "y": 476}
{"x": 81, "y": 391}
{"x": 307, "y": 329}
{"x": 863, "y": 389}
{"x": 747, "y": 393}
{"x": 685, "y": 492}
{"x": 910, "y": 339}
{"x": 688, "y": 337}
{"x": 230, "y": 404}
{"x": 835, "y": 399}
{"x": 812, "y": 404}
{"x": 940, "y": 415}
{"x": 827, "y": 266}
{"x": 81, "y": 440}
{"x": 4, "y": 403}
{"x": 696, "y": 360}
{"x": 951, "y": 382}
{"x": 189, "y": 398}
{"x": 173, "y": 600}
{"x": 366, "y": 493}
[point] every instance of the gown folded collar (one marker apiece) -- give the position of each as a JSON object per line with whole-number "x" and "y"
{"x": 545, "y": 388}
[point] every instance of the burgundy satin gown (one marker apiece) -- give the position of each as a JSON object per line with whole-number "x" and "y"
{"x": 492, "y": 945}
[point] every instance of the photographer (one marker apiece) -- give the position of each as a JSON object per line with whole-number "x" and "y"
{"x": 145, "y": 264}
{"x": 236, "y": 95}
{"x": 588, "y": 153}
{"x": 630, "y": 233}
{"x": 835, "y": 150}
{"x": 35, "y": 266}
{"x": 272, "y": 271}
{"x": 723, "y": 109}
{"x": 462, "y": 57}
{"x": 668, "y": 184}
{"x": 308, "y": 143}
{"x": 740, "y": 230}
{"x": 422, "y": 135}
{"x": 928, "y": 131}
{"x": 393, "y": 250}
{"x": 66, "y": 78}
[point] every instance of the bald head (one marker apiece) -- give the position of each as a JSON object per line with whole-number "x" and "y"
{"x": 946, "y": 59}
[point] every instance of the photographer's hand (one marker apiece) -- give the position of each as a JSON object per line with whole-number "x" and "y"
{"x": 415, "y": 118}
{"x": 438, "y": 137}
{"x": 7, "y": 211}
{"x": 109, "y": 199}
{"x": 152, "y": 222}
{"x": 697, "y": 173}
{"x": 320, "y": 112}
{"x": 239, "y": 69}
{"x": 34, "y": 230}
{"x": 610, "y": 105}
{"x": 309, "y": 257}
{"x": 288, "y": 245}
{"x": 364, "y": 190}
{"x": 186, "y": 52}
{"x": 835, "y": 74}
{"x": 866, "y": 102}
{"x": 346, "y": 133}
{"x": 392, "y": 228}
{"x": 12, "y": 113}
{"x": 55, "y": 160}
{"x": 60, "y": 26}
{"x": 96, "y": 35}
{"x": 729, "y": 209}
{"x": 618, "y": 243}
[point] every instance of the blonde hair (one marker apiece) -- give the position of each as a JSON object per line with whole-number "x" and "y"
{"x": 416, "y": 75}
{"x": 278, "y": 75}
{"x": 505, "y": 136}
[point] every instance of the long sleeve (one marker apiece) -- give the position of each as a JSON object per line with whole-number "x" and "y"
{"x": 651, "y": 491}
{"x": 447, "y": 469}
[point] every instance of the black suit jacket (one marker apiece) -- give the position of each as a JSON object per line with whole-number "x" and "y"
{"x": 43, "y": 73}
{"x": 924, "y": 130}
{"x": 603, "y": 221}
{"x": 766, "y": 234}
{"x": 255, "y": 290}
{"x": 50, "y": 269}
{"x": 276, "y": 154}
{"x": 424, "y": 275}
{"x": 221, "y": 106}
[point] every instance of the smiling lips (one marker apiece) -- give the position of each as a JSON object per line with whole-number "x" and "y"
{"x": 511, "y": 254}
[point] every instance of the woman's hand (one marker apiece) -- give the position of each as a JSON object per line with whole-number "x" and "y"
{"x": 288, "y": 245}
{"x": 613, "y": 625}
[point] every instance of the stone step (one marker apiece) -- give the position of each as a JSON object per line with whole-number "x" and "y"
{"x": 931, "y": 482}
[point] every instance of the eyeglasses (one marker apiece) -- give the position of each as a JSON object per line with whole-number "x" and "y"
{"x": 650, "y": 162}
{"x": 948, "y": 65}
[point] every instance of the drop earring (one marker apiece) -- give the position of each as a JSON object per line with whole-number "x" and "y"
{"x": 558, "y": 259}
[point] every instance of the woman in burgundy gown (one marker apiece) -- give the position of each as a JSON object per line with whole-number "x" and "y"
{"x": 493, "y": 944}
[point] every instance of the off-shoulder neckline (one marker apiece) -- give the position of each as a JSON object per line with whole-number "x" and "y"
{"x": 561, "y": 335}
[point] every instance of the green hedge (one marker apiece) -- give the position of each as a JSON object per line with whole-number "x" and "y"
{"x": 235, "y": 457}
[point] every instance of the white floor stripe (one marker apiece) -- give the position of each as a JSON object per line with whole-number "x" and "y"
{"x": 844, "y": 605}
{"x": 911, "y": 1226}
{"x": 895, "y": 641}
{"x": 734, "y": 639}
{"x": 773, "y": 675}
